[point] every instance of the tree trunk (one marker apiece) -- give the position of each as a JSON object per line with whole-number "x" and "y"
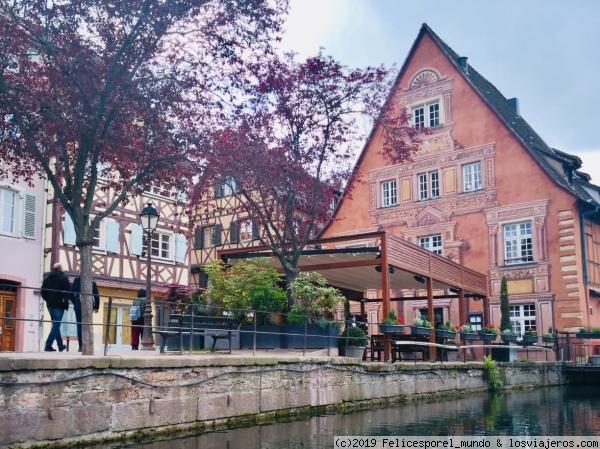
{"x": 87, "y": 299}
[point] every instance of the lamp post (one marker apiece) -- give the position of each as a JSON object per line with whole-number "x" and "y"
{"x": 149, "y": 219}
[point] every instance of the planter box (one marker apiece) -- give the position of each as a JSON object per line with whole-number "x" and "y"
{"x": 419, "y": 330}
{"x": 488, "y": 337}
{"x": 352, "y": 351}
{"x": 505, "y": 354}
{"x": 587, "y": 335}
{"x": 446, "y": 335}
{"x": 267, "y": 336}
{"x": 292, "y": 336}
{"x": 595, "y": 360}
{"x": 546, "y": 339}
{"x": 468, "y": 336}
{"x": 391, "y": 328}
{"x": 508, "y": 338}
{"x": 530, "y": 340}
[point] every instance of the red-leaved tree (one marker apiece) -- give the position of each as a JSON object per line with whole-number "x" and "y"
{"x": 95, "y": 89}
{"x": 292, "y": 146}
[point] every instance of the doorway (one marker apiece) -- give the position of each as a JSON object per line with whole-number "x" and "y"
{"x": 8, "y": 301}
{"x": 119, "y": 332}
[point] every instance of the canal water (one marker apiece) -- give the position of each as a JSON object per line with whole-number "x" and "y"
{"x": 553, "y": 411}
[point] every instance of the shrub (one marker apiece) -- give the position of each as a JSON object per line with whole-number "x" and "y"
{"x": 355, "y": 336}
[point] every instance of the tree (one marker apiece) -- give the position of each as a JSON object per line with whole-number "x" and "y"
{"x": 504, "y": 306}
{"x": 292, "y": 146}
{"x": 97, "y": 89}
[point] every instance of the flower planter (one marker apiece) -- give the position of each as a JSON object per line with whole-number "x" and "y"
{"x": 587, "y": 335}
{"x": 594, "y": 360}
{"x": 446, "y": 335}
{"x": 468, "y": 336}
{"x": 419, "y": 330}
{"x": 530, "y": 340}
{"x": 352, "y": 351}
{"x": 488, "y": 337}
{"x": 506, "y": 338}
{"x": 391, "y": 328}
{"x": 549, "y": 339}
{"x": 317, "y": 337}
{"x": 268, "y": 336}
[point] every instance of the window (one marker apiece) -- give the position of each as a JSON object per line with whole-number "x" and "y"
{"x": 225, "y": 187}
{"x": 522, "y": 318}
{"x": 518, "y": 246}
{"x": 476, "y": 320}
{"x": 97, "y": 237}
{"x": 245, "y": 231}
{"x": 389, "y": 194}
{"x": 432, "y": 243}
{"x": 8, "y": 206}
{"x": 208, "y": 236}
{"x": 438, "y": 316}
{"x": 429, "y": 185}
{"x": 160, "y": 245}
{"x": 472, "y": 177}
{"x": 427, "y": 115}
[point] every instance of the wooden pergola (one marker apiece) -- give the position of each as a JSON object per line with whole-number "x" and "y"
{"x": 350, "y": 263}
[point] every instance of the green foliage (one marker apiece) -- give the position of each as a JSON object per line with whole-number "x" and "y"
{"x": 504, "y": 306}
{"x": 297, "y": 315}
{"x": 245, "y": 286}
{"x": 392, "y": 319}
{"x": 466, "y": 328}
{"x": 489, "y": 329}
{"x": 422, "y": 321}
{"x": 355, "y": 336}
{"x": 494, "y": 380}
{"x": 447, "y": 327}
{"x": 312, "y": 295}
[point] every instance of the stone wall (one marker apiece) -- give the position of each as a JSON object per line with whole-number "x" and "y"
{"x": 58, "y": 402}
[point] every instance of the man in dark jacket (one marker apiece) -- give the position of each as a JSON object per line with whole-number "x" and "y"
{"x": 54, "y": 288}
{"x": 74, "y": 297}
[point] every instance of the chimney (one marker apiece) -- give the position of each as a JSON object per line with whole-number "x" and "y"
{"x": 463, "y": 64}
{"x": 514, "y": 103}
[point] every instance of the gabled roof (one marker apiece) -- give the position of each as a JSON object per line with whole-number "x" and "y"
{"x": 520, "y": 129}
{"x": 505, "y": 112}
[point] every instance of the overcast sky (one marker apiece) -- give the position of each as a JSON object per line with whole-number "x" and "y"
{"x": 544, "y": 52}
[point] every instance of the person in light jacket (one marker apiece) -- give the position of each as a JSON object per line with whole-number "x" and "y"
{"x": 137, "y": 324}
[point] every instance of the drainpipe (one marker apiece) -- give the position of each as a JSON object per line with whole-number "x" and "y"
{"x": 582, "y": 215}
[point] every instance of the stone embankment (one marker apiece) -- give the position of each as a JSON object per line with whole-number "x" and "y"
{"x": 60, "y": 401}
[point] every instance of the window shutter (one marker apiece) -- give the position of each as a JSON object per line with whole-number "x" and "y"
{"x": 218, "y": 189}
{"x": 69, "y": 237}
{"x": 29, "y": 207}
{"x": 198, "y": 238}
{"x": 112, "y": 236}
{"x": 137, "y": 240}
{"x": 233, "y": 232}
{"x": 255, "y": 230}
{"x": 218, "y": 229}
{"x": 180, "y": 248}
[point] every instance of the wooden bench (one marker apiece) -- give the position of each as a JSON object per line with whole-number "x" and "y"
{"x": 218, "y": 328}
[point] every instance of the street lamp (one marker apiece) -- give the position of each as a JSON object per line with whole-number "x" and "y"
{"x": 149, "y": 219}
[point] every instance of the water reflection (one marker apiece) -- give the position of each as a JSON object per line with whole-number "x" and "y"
{"x": 549, "y": 411}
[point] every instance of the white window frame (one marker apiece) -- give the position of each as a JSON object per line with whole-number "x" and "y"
{"x": 16, "y": 197}
{"x": 433, "y": 243}
{"x": 208, "y": 236}
{"x": 472, "y": 177}
{"x": 427, "y": 115}
{"x": 101, "y": 239}
{"x": 229, "y": 186}
{"x": 523, "y": 318}
{"x": 389, "y": 193}
{"x": 428, "y": 185}
{"x": 161, "y": 241}
{"x": 245, "y": 231}
{"x": 518, "y": 242}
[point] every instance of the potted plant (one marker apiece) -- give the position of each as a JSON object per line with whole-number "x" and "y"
{"x": 488, "y": 333}
{"x": 593, "y": 332}
{"x": 392, "y": 324}
{"x": 421, "y": 326}
{"x": 549, "y": 336}
{"x": 530, "y": 337}
{"x": 446, "y": 331}
{"x": 467, "y": 332}
{"x": 353, "y": 342}
{"x": 508, "y": 336}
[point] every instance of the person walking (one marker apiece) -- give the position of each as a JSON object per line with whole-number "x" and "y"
{"x": 136, "y": 314}
{"x": 54, "y": 289}
{"x": 74, "y": 297}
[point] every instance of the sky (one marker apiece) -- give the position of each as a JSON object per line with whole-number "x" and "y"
{"x": 544, "y": 52}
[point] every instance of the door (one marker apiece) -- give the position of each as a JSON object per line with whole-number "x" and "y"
{"x": 119, "y": 331}
{"x": 8, "y": 300}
